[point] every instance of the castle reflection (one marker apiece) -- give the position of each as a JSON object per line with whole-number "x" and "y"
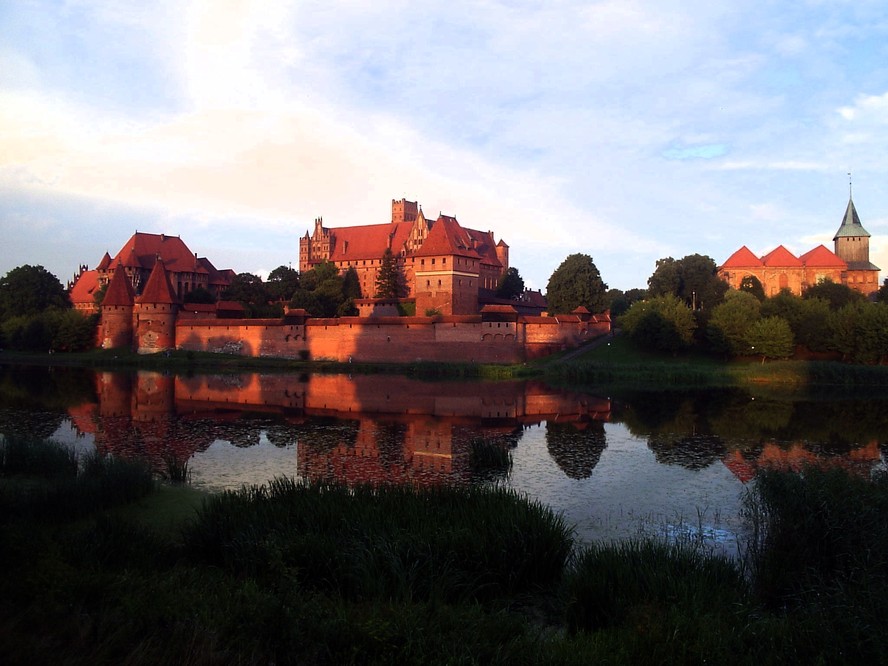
{"x": 369, "y": 429}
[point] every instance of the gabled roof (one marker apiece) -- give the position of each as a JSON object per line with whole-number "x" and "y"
{"x": 742, "y": 258}
{"x": 447, "y": 237}
{"x": 84, "y": 287}
{"x": 142, "y": 250}
{"x": 368, "y": 241}
{"x": 851, "y": 225}
{"x": 781, "y": 257}
{"x": 104, "y": 263}
{"x": 158, "y": 288}
{"x": 120, "y": 289}
{"x": 820, "y": 256}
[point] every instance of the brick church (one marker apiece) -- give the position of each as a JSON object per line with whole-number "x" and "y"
{"x": 849, "y": 263}
{"x": 447, "y": 268}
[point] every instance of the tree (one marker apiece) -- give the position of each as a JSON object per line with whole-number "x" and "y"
{"x": 511, "y": 284}
{"x": 30, "y": 290}
{"x": 199, "y": 295}
{"x": 282, "y": 283}
{"x": 389, "y": 280}
{"x": 882, "y": 294}
{"x": 576, "y": 283}
{"x": 770, "y": 337}
{"x": 663, "y": 323}
{"x": 730, "y": 320}
{"x": 837, "y": 295}
{"x": 751, "y": 284}
{"x": 693, "y": 278}
{"x": 249, "y": 290}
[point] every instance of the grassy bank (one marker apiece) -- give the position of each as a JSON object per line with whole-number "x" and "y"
{"x": 291, "y": 573}
{"x": 620, "y": 363}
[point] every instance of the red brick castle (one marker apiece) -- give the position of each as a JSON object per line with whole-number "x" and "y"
{"x": 447, "y": 268}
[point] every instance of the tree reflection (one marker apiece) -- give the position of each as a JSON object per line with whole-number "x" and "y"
{"x": 576, "y": 447}
{"x": 691, "y": 452}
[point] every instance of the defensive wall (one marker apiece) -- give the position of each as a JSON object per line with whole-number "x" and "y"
{"x": 496, "y": 337}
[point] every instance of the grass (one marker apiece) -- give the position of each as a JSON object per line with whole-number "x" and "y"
{"x": 321, "y": 574}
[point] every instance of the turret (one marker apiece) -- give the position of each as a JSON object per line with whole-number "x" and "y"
{"x": 852, "y": 240}
{"x": 116, "y": 327}
{"x": 155, "y": 313}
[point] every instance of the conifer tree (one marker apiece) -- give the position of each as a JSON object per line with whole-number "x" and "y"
{"x": 389, "y": 280}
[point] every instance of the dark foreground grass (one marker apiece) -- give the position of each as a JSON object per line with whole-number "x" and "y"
{"x": 319, "y": 574}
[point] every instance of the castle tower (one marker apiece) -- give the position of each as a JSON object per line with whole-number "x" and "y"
{"x": 852, "y": 246}
{"x": 502, "y": 253}
{"x": 116, "y": 327}
{"x": 155, "y": 313}
{"x": 404, "y": 211}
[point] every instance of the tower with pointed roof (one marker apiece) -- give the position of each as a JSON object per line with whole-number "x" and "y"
{"x": 852, "y": 246}
{"x": 116, "y": 323}
{"x": 154, "y": 316}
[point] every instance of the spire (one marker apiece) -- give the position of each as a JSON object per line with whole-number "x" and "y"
{"x": 851, "y": 226}
{"x": 158, "y": 288}
{"x": 120, "y": 291}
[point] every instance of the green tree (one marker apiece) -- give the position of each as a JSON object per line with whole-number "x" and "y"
{"x": 249, "y": 290}
{"x": 389, "y": 280}
{"x": 860, "y": 332}
{"x": 837, "y": 295}
{"x": 282, "y": 283}
{"x": 30, "y": 290}
{"x": 882, "y": 294}
{"x": 199, "y": 295}
{"x": 753, "y": 285}
{"x": 693, "y": 278}
{"x": 662, "y": 323}
{"x": 575, "y": 283}
{"x": 770, "y": 337}
{"x": 511, "y": 284}
{"x": 730, "y": 320}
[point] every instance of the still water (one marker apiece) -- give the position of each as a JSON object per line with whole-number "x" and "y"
{"x": 644, "y": 463}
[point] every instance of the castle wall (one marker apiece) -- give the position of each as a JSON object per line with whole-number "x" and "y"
{"x": 390, "y": 339}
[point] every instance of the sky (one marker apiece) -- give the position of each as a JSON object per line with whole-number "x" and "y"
{"x": 627, "y": 130}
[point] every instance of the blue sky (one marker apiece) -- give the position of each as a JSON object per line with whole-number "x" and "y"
{"x": 629, "y": 131}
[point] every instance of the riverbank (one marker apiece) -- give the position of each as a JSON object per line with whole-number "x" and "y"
{"x": 610, "y": 362}
{"x": 105, "y": 564}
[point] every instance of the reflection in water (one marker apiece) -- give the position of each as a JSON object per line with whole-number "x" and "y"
{"x": 608, "y": 467}
{"x": 576, "y": 447}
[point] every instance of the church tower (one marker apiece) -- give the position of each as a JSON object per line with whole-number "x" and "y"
{"x": 852, "y": 246}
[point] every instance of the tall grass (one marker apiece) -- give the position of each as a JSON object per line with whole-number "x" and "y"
{"x": 385, "y": 542}
{"x": 36, "y": 457}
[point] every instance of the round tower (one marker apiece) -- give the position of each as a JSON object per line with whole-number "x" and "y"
{"x": 116, "y": 325}
{"x": 155, "y": 313}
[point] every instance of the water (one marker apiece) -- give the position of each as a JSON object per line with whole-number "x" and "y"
{"x": 674, "y": 465}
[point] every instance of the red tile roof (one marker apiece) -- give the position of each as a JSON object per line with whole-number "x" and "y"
{"x": 742, "y": 258}
{"x": 369, "y": 241}
{"x": 821, "y": 256}
{"x": 158, "y": 288}
{"x": 447, "y": 237}
{"x": 84, "y": 289}
{"x": 120, "y": 290}
{"x": 781, "y": 257}
{"x": 142, "y": 250}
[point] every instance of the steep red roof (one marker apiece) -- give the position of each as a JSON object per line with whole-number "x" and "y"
{"x": 120, "y": 290}
{"x": 83, "y": 290}
{"x": 158, "y": 288}
{"x": 742, "y": 258}
{"x": 368, "y": 241}
{"x": 821, "y": 256}
{"x": 781, "y": 257}
{"x": 104, "y": 263}
{"x": 143, "y": 249}
{"x": 447, "y": 237}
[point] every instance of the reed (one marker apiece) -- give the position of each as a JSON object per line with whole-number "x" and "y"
{"x": 36, "y": 457}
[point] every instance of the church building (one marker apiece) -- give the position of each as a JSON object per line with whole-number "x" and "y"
{"x": 446, "y": 268}
{"x": 849, "y": 263}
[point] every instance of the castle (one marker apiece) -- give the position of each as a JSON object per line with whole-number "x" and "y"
{"x": 849, "y": 264}
{"x": 137, "y": 257}
{"x": 447, "y": 268}
{"x": 450, "y": 273}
